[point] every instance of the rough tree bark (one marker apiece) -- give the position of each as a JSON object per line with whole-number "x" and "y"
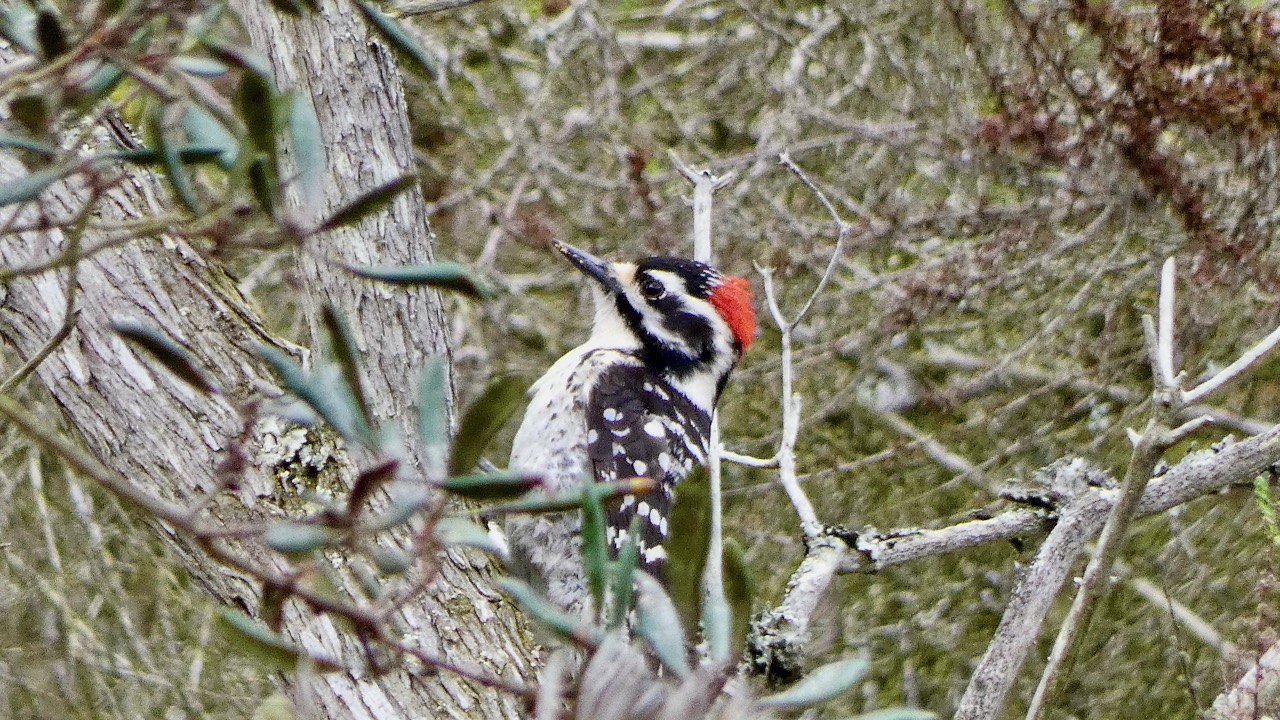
{"x": 169, "y": 438}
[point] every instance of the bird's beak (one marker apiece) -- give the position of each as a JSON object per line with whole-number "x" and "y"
{"x": 599, "y": 270}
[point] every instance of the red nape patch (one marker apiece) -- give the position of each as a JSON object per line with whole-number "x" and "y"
{"x": 732, "y": 299}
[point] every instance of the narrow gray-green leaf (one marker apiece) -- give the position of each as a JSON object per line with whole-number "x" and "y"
{"x": 451, "y": 276}
{"x": 460, "y": 531}
{"x": 595, "y": 552}
{"x": 206, "y": 131}
{"x": 262, "y": 182}
{"x": 32, "y": 110}
{"x": 28, "y": 187}
{"x": 330, "y": 402}
{"x": 98, "y": 85}
{"x": 255, "y": 104}
{"x": 18, "y": 25}
{"x": 401, "y": 41}
{"x": 502, "y": 485}
{"x": 199, "y": 66}
{"x": 254, "y": 639}
{"x": 147, "y": 156}
{"x": 369, "y": 480}
{"x": 820, "y": 685}
{"x": 298, "y": 538}
{"x": 482, "y": 421}
{"x": 433, "y": 416}
{"x": 659, "y": 624}
{"x": 166, "y": 351}
{"x": 739, "y": 589}
{"x": 406, "y": 501}
{"x": 897, "y": 714}
{"x": 174, "y": 170}
{"x": 389, "y": 560}
{"x": 564, "y": 624}
{"x": 368, "y": 203}
{"x": 623, "y": 578}
{"x": 539, "y": 502}
{"x": 244, "y": 58}
{"x": 22, "y": 143}
{"x": 308, "y": 148}
{"x": 343, "y": 348}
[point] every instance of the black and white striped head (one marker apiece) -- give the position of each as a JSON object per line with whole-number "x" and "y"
{"x": 688, "y": 322}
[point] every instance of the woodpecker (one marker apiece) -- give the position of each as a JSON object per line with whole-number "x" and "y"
{"x": 634, "y": 400}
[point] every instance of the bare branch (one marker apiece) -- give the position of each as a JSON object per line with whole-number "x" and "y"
{"x": 64, "y": 331}
{"x": 947, "y": 357}
{"x": 1164, "y": 349}
{"x": 1032, "y": 596}
{"x": 748, "y": 460}
{"x": 842, "y": 232}
{"x": 1180, "y": 433}
{"x": 1183, "y": 615}
{"x": 779, "y": 636}
{"x": 1227, "y": 374}
{"x": 704, "y": 184}
{"x": 1141, "y": 464}
{"x": 876, "y": 551}
{"x": 1196, "y": 475}
{"x": 787, "y": 477}
{"x": 714, "y": 601}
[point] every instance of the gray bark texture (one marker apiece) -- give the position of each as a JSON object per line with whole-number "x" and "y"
{"x": 168, "y": 438}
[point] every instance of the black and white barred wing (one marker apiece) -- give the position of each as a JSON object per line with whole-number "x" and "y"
{"x": 639, "y": 426}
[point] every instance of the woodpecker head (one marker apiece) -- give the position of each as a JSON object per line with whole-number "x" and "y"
{"x": 687, "y": 321}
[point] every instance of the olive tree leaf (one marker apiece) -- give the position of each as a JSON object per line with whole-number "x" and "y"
{"x": 819, "y": 686}
{"x": 401, "y": 41}
{"x": 368, "y": 203}
{"x": 482, "y": 421}
{"x": 175, "y": 358}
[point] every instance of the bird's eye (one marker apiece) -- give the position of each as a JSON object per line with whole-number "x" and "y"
{"x": 652, "y": 289}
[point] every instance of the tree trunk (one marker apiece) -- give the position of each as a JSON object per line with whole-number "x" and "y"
{"x": 169, "y": 438}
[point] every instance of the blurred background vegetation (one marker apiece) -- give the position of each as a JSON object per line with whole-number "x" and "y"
{"x": 1015, "y": 172}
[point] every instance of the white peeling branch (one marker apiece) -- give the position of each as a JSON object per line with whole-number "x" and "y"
{"x": 748, "y": 460}
{"x": 1164, "y": 349}
{"x": 713, "y": 597}
{"x": 842, "y": 232}
{"x": 1032, "y": 596}
{"x": 1227, "y": 374}
{"x": 779, "y": 636}
{"x": 1147, "y": 449}
{"x": 1198, "y": 474}
{"x": 786, "y": 455}
{"x": 875, "y": 551}
{"x": 704, "y": 186}
{"x": 947, "y": 357}
{"x": 787, "y": 476}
